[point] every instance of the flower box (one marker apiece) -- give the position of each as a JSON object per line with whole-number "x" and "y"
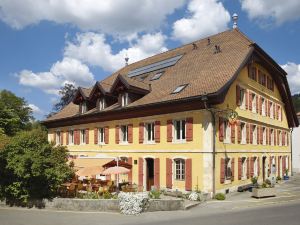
{"x": 263, "y": 192}
{"x": 286, "y": 177}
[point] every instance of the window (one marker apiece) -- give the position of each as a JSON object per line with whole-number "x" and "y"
{"x": 157, "y": 76}
{"x": 263, "y": 106}
{"x": 71, "y": 137}
{"x": 254, "y": 103}
{"x": 244, "y": 168}
{"x": 254, "y": 135}
{"x": 124, "y": 134}
{"x": 228, "y": 172}
{"x": 255, "y": 169}
{"x": 271, "y": 110}
{"x": 58, "y": 137}
{"x": 243, "y": 133}
{"x": 179, "y": 130}
{"x": 149, "y": 132}
{"x": 124, "y": 99}
{"x": 253, "y": 73}
{"x": 286, "y": 138}
{"x": 82, "y": 136}
{"x": 264, "y": 136}
{"x": 83, "y": 107}
{"x": 243, "y": 98}
{"x": 124, "y": 159}
{"x": 280, "y": 138}
{"x": 272, "y": 137}
{"x": 179, "y": 88}
{"x": 279, "y": 113}
{"x": 101, "y": 104}
{"x": 227, "y": 132}
{"x": 101, "y": 135}
{"x": 179, "y": 169}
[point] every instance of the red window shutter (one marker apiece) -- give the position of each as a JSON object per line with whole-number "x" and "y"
{"x": 257, "y": 134}
{"x": 95, "y": 135}
{"x": 251, "y": 166}
{"x": 169, "y": 131}
{"x": 239, "y": 131}
{"x": 232, "y": 169}
{"x": 250, "y": 100}
{"x": 258, "y": 166}
{"x": 117, "y": 137}
{"x": 157, "y": 131}
{"x": 270, "y": 138}
{"x": 283, "y": 138}
{"x": 76, "y": 137}
{"x": 87, "y": 137}
{"x": 251, "y": 133}
{"x": 106, "y": 135}
{"x": 222, "y": 171}
{"x": 141, "y": 133}
{"x": 288, "y": 138}
{"x": 260, "y": 105}
{"x": 247, "y": 99}
{"x": 130, "y": 135}
{"x": 141, "y": 172}
{"x": 238, "y": 95}
{"x": 257, "y": 104}
{"x": 278, "y": 165}
{"x": 232, "y": 133}
{"x": 221, "y": 129}
{"x": 240, "y": 168}
{"x": 67, "y": 137}
{"x": 248, "y": 168}
{"x": 130, "y": 172}
{"x": 169, "y": 174}
{"x": 247, "y": 133}
{"x": 281, "y": 117}
{"x": 188, "y": 174}
{"x": 189, "y": 129}
{"x": 274, "y": 111}
{"x": 156, "y": 173}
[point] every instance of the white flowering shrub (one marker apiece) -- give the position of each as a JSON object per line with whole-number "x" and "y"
{"x": 131, "y": 203}
{"x": 194, "y": 196}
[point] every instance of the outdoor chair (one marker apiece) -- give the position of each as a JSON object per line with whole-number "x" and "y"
{"x": 71, "y": 191}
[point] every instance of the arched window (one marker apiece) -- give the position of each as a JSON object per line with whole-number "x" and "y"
{"x": 179, "y": 169}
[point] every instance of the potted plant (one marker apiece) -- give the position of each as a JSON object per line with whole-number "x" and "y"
{"x": 264, "y": 190}
{"x": 286, "y": 176}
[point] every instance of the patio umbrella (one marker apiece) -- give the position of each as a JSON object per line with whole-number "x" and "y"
{"x": 119, "y": 163}
{"x": 115, "y": 170}
{"x": 89, "y": 172}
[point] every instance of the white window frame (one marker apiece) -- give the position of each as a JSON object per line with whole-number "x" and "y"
{"x": 244, "y": 168}
{"x": 150, "y": 134}
{"x": 179, "y": 169}
{"x": 272, "y": 110}
{"x": 82, "y": 136}
{"x": 255, "y": 167}
{"x": 280, "y": 138}
{"x": 124, "y": 99}
{"x": 264, "y": 136}
{"x": 272, "y": 137}
{"x": 102, "y": 104}
{"x": 182, "y": 130}
{"x": 243, "y": 98}
{"x": 123, "y": 134}
{"x": 83, "y": 107}
{"x": 263, "y": 106}
{"x": 101, "y": 136}
{"x": 243, "y": 133}
{"x": 254, "y": 135}
{"x": 227, "y": 165}
{"x": 58, "y": 137}
{"x": 227, "y": 132}
{"x": 254, "y": 103}
{"x": 71, "y": 137}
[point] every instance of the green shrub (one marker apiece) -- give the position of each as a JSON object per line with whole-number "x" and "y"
{"x": 88, "y": 195}
{"x": 107, "y": 195}
{"x": 254, "y": 180}
{"x": 154, "y": 194}
{"x": 220, "y": 196}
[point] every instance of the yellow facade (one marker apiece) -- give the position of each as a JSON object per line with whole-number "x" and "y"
{"x": 199, "y": 150}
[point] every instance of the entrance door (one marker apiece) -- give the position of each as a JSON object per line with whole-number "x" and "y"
{"x": 264, "y": 166}
{"x": 149, "y": 173}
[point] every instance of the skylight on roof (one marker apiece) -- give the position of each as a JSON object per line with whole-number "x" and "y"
{"x": 179, "y": 88}
{"x": 157, "y": 76}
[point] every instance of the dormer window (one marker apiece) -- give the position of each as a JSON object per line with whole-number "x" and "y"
{"x": 101, "y": 104}
{"x": 83, "y": 107}
{"x": 124, "y": 99}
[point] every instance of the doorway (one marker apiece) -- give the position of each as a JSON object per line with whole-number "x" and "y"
{"x": 264, "y": 166}
{"x": 149, "y": 173}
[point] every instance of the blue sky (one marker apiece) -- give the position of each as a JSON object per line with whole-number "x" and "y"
{"x": 44, "y": 45}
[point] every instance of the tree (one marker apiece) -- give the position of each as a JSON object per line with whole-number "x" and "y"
{"x": 31, "y": 167}
{"x": 67, "y": 94}
{"x": 15, "y": 114}
{"x": 296, "y": 102}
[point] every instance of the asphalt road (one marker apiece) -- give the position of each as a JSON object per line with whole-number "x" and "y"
{"x": 284, "y": 213}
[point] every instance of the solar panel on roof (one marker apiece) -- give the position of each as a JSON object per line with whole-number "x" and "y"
{"x": 154, "y": 66}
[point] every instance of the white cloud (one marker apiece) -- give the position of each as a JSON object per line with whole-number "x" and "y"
{"x": 66, "y": 71}
{"x": 93, "y": 49}
{"x": 206, "y": 17}
{"x": 277, "y": 11}
{"x": 36, "y": 109}
{"x": 293, "y": 77}
{"x": 109, "y": 16}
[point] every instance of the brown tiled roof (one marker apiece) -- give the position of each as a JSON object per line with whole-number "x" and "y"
{"x": 86, "y": 91}
{"x": 202, "y": 69}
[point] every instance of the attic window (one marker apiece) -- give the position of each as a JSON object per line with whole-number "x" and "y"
{"x": 83, "y": 108}
{"x": 157, "y": 75}
{"x": 179, "y": 88}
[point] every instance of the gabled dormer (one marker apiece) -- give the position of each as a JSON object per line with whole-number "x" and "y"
{"x": 81, "y": 98}
{"x": 100, "y": 97}
{"x": 128, "y": 90}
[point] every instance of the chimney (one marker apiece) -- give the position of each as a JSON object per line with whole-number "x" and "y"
{"x": 195, "y": 46}
{"x": 208, "y": 41}
{"x": 126, "y": 60}
{"x": 235, "y": 19}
